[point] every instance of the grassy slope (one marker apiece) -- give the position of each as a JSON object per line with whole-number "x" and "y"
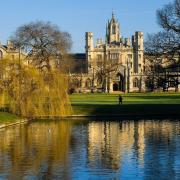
{"x": 133, "y": 104}
{"x": 7, "y": 117}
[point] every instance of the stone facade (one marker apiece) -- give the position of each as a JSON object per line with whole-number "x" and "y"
{"x": 116, "y": 64}
{"x": 113, "y": 64}
{"x": 8, "y": 51}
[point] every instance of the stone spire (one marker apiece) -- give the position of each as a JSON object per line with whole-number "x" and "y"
{"x": 113, "y": 14}
{"x": 113, "y": 30}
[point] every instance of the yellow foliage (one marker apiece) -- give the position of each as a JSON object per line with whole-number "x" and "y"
{"x": 31, "y": 93}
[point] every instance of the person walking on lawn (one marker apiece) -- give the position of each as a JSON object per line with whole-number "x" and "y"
{"x": 120, "y": 99}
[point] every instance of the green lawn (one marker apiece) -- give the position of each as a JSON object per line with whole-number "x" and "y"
{"x": 7, "y": 117}
{"x": 133, "y": 104}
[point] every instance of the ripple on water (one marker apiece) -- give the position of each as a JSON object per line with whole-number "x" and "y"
{"x": 144, "y": 149}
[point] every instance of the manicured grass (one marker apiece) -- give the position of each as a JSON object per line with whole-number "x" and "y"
{"x": 133, "y": 104}
{"x": 7, "y": 117}
{"x": 165, "y": 104}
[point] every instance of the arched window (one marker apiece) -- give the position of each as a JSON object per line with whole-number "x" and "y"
{"x": 1, "y": 55}
{"x": 88, "y": 83}
{"x": 114, "y": 29}
{"x": 135, "y": 82}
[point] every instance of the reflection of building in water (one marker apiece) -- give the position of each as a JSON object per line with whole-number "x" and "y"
{"x": 110, "y": 141}
{"x": 55, "y": 149}
{"x": 162, "y": 152}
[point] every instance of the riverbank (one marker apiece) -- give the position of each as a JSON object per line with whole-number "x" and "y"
{"x": 134, "y": 104}
{"x": 8, "y": 119}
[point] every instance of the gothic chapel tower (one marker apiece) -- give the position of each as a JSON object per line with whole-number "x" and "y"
{"x": 126, "y": 54}
{"x": 112, "y": 31}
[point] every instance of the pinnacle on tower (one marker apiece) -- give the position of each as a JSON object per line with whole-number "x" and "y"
{"x": 113, "y": 15}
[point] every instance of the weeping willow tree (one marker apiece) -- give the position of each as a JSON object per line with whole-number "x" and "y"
{"x": 29, "y": 92}
{"x": 36, "y": 84}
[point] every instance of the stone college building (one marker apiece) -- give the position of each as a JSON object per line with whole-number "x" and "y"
{"x": 116, "y": 64}
{"x": 113, "y": 64}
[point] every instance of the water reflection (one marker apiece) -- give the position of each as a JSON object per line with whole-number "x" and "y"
{"x": 111, "y": 141}
{"x": 34, "y": 150}
{"x": 145, "y": 149}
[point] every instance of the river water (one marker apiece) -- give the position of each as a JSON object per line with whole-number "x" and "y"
{"x": 72, "y": 149}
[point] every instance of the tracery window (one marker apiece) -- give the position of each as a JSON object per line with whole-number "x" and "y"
{"x": 99, "y": 57}
{"x": 114, "y": 29}
{"x": 114, "y": 56}
{"x": 135, "y": 82}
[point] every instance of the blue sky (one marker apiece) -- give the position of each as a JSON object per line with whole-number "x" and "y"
{"x": 79, "y": 16}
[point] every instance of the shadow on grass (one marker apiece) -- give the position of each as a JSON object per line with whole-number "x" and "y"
{"x": 128, "y": 109}
{"x": 158, "y": 97}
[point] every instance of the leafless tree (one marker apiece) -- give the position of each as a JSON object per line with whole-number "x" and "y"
{"x": 153, "y": 71}
{"x": 105, "y": 70}
{"x": 169, "y": 16}
{"x": 164, "y": 44}
{"x": 42, "y": 42}
{"x": 167, "y": 42}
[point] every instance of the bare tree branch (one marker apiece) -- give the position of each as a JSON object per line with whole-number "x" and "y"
{"x": 169, "y": 16}
{"x": 42, "y": 42}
